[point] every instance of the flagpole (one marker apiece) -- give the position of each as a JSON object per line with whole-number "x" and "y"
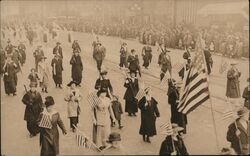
{"x": 210, "y": 99}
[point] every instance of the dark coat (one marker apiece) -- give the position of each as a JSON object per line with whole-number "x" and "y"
{"x": 33, "y": 102}
{"x": 130, "y": 94}
{"x": 33, "y": 78}
{"x": 58, "y": 50}
{"x": 134, "y": 65}
{"x": 49, "y": 138}
{"x": 99, "y": 53}
{"x": 239, "y": 144}
{"x": 208, "y": 59}
{"x": 9, "y": 48}
{"x": 148, "y": 116}
{"x": 75, "y": 46}
{"x": 233, "y": 84}
{"x": 38, "y": 54}
{"x": 104, "y": 84}
{"x": 77, "y": 68}
{"x": 117, "y": 109}
{"x": 246, "y": 96}
{"x": 167, "y": 146}
{"x": 10, "y": 80}
{"x": 57, "y": 69}
{"x": 165, "y": 62}
{"x": 21, "y": 48}
{"x": 147, "y": 55}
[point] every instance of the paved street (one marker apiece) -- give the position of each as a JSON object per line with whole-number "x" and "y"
{"x": 200, "y": 138}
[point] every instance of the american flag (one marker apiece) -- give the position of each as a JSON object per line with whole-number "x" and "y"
{"x": 167, "y": 76}
{"x": 140, "y": 94}
{"x": 45, "y": 121}
{"x": 195, "y": 84}
{"x": 167, "y": 128}
{"x": 93, "y": 99}
{"x": 81, "y": 140}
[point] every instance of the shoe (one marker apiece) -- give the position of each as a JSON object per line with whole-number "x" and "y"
{"x": 129, "y": 114}
{"x": 14, "y": 94}
{"x": 79, "y": 85}
{"x": 143, "y": 137}
{"x": 120, "y": 127}
{"x": 134, "y": 114}
{"x": 46, "y": 91}
{"x": 148, "y": 140}
{"x": 102, "y": 147}
{"x": 60, "y": 86}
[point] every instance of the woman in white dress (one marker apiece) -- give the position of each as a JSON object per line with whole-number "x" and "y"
{"x": 43, "y": 73}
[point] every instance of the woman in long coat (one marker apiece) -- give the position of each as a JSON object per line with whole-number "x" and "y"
{"x": 10, "y": 76}
{"x": 77, "y": 67}
{"x": 233, "y": 83}
{"x": 57, "y": 69}
{"x": 173, "y": 98}
{"x": 49, "y": 138}
{"x": 147, "y": 56}
{"x": 73, "y": 98}
{"x": 43, "y": 73}
{"x": 149, "y": 112}
{"x": 132, "y": 86}
{"x": 246, "y": 95}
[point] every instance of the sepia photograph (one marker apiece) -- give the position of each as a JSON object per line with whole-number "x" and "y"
{"x": 124, "y": 77}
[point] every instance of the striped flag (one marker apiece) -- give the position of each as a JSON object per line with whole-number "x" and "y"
{"x": 140, "y": 94}
{"x": 177, "y": 67}
{"x": 81, "y": 140}
{"x": 167, "y": 128}
{"x": 195, "y": 84}
{"x": 93, "y": 99}
{"x": 45, "y": 121}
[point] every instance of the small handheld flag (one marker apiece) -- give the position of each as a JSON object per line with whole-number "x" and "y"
{"x": 93, "y": 99}
{"x": 45, "y": 121}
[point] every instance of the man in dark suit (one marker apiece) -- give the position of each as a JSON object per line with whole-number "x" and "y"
{"x": 103, "y": 83}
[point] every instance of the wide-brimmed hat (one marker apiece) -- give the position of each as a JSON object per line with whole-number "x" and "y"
{"x": 242, "y": 111}
{"x": 132, "y": 50}
{"x": 114, "y": 136}
{"x": 33, "y": 84}
{"x": 124, "y": 43}
{"x": 104, "y": 72}
{"x": 32, "y": 69}
{"x": 49, "y": 100}
{"x": 58, "y": 43}
{"x": 234, "y": 63}
{"x": 71, "y": 82}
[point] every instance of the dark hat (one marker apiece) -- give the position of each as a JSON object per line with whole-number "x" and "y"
{"x": 242, "y": 111}
{"x": 104, "y": 72}
{"x": 132, "y": 50}
{"x": 176, "y": 127}
{"x": 124, "y": 43}
{"x": 32, "y": 69}
{"x": 8, "y": 41}
{"x": 49, "y": 101}
{"x": 58, "y": 43}
{"x": 33, "y": 84}
{"x": 114, "y": 136}
{"x": 71, "y": 82}
{"x": 103, "y": 90}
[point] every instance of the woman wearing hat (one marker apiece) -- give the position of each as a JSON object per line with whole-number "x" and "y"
{"x": 43, "y": 72}
{"x": 49, "y": 138}
{"x": 99, "y": 55}
{"x": 73, "y": 98}
{"x": 132, "y": 87}
{"x": 34, "y": 103}
{"x": 147, "y": 56}
{"x": 173, "y": 143}
{"x": 10, "y": 76}
{"x": 57, "y": 68}
{"x": 123, "y": 55}
{"x": 21, "y": 48}
{"x": 38, "y": 54}
{"x": 103, "y": 83}
{"x": 238, "y": 132}
{"x": 246, "y": 95}
{"x": 75, "y": 46}
{"x": 149, "y": 113}
{"x": 57, "y": 50}
{"x": 173, "y": 100}
{"x": 101, "y": 119}
{"x": 233, "y": 83}
{"x": 77, "y": 67}
{"x": 133, "y": 61}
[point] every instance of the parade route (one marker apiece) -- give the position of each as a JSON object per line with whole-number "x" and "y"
{"x": 200, "y": 137}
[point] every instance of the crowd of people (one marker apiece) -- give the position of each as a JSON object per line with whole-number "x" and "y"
{"x": 108, "y": 107}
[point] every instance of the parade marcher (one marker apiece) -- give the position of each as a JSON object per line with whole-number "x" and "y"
{"x": 43, "y": 74}
{"x": 58, "y": 50}
{"x": 173, "y": 100}
{"x": 38, "y": 54}
{"x": 34, "y": 103}
{"x": 99, "y": 55}
{"x": 10, "y": 76}
{"x": 21, "y": 48}
{"x": 238, "y": 132}
{"x": 149, "y": 113}
{"x": 57, "y": 69}
{"x": 73, "y": 98}
{"x": 33, "y": 76}
{"x": 208, "y": 59}
{"x": 123, "y": 55}
{"x": 9, "y": 47}
{"x": 147, "y": 56}
{"x": 133, "y": 61}
{"x": 49, "y": 138}
{"x": 246, "y": 95}
{"x": 132, "y": 87}
{"x": 233, "y": 83}
{"x": 16, "y": 57}
{"x": 75, "y": 46}
{"x": 117, "y": 109}
{"x": 114, "y": 146}
{"x": 77, "y": 67}
{"x": 173, "y": 143}
{"x": 103, "y": 83}
{"x": 101, "y": 119}
{"x": 187, "y": 65}
{"x": 2, "y": 59}
{"x": 164, "y": 60}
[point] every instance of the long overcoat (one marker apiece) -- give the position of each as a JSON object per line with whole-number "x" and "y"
{"x": 77, "y": 68}
{"x": 132, "y": 89}
{"x": 148, "y": 116}
{"x": 57, "y": 69}
{"x": 233, "y": 83}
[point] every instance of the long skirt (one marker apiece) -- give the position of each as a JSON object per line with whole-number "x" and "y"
{"x": 102, "y": 135}
{"x": 32, "y": 127}
{"x": 73, "y": 121}
{"x": 57, "y": 78}
{"x": 131, "y": 106}
{"x": 10, "y": 87}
